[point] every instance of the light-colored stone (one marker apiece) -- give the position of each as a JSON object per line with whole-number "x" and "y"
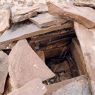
{"x": 34, "y": 87}
{"x": 83, "y": 15}
{"x": 54, "y": 87}
{"x": 21, "y": 13}
{"x": 4, "y": 19}
{"x": 76, "y": 87}
{"x": 46, "y": 20}
{"x": 3, "y": 70}
{"x": 26, "y": 65}
{"x": 25, "y": 30}
{"x": 86, "y": 39}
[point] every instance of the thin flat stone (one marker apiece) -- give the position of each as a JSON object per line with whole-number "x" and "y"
{"x": 25, "y": 30}
{"x": 76, "y": 87}
{"x": 56, "y": 86}
{"x": 86, "y": 39}
{"x": 26, "y": 65}
{"x": 33, "y": 87}
{"x": 83, "y": 15}
{"x": 46, "y": 20}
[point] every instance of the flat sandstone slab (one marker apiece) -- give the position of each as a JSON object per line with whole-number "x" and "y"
{"x": 33, "y": 87}
{"x": 3, "y": 70}
{"x": 26, "y": 65}
{"x": 25, "y": 30}
{"x": 54, "y": 87}
{"x": 46, "y": 20}
{"x": 83, "y": 15}
{"x": 86, "y": 38}
{"x": 76, "y": 87}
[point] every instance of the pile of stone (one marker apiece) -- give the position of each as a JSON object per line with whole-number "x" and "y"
{"x": 40, "y": 53}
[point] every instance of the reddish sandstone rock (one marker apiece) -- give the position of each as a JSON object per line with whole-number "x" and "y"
{"x": 34, "y": 87}
{"x": 26, "y": 65}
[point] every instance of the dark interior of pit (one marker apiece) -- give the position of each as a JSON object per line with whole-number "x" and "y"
{"x": 63, "y": 66}
{"x": 62, "y": 54}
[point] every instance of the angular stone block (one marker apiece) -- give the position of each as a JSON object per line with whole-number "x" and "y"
{"x": 26, "y": 65}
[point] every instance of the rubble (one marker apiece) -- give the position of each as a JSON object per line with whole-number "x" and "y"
{"x": 49, "y": 48}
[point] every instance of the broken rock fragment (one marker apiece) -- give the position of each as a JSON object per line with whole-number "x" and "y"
{"x": 76, "y": 87}
{"x": 52, "y": 88}
{"x": 46, "y": 20}
{"x": 3, "y": 70}
{"x": 26, "y": 65}
{"x": 4, "y": 19}
{"x": 34, "y": 87}
{"x": 21, "y": 13}
{"x": 87, "y": 41}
